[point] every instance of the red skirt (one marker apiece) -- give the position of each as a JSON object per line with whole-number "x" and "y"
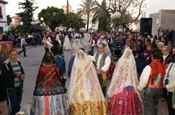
{"x": 126, "y": 102}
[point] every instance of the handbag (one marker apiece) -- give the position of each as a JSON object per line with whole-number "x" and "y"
{"x": 111, "y": 69}
{"x": 167, "y": 80}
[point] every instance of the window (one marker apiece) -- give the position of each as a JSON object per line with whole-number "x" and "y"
{"x": 0, "y": 12}
{"x": 1, "y": 29}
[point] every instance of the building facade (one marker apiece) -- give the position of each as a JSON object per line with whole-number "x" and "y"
{"x": 3, "y": 16}
{"x": 16, "y": 21}
{"x": 64, "y": 7}
{"x": 164, "y": 19}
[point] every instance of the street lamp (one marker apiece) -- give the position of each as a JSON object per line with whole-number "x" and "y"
{"x": 41, "y": 20}
{"x": 114, "y": 18}
{"x": 116, "y": 15}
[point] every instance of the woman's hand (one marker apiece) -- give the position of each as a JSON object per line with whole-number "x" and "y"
{"x": 22, "y": 76}
{"x": 173, "y": 106}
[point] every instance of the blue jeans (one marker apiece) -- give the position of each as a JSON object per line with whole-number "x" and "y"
{"x": 14, "y": 96}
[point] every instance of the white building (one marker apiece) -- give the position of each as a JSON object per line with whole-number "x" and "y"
{"x": 3, "y": 17}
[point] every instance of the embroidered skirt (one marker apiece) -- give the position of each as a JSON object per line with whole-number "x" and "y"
{"x": 50, "y": 105}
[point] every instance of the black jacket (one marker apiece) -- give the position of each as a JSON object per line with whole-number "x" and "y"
{"x": 8, "y": 74}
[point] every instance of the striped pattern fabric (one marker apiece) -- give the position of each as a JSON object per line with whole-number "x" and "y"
{"x": 17, "y": 70}
{"x": 50, "y": 105}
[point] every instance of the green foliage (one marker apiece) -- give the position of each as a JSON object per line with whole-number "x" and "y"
{"x": 52, "y": 17}
{"x": 101, "y": 17}
{"x": 9, "y": 20}
{"x": 74, "y": 21}
{"x": 130, "y": 11}
{"x": 27, "y": 14}
{"x": 87, "y": 7}
{"x": 26, "y": 17}
{"x": 27, "y": 29}
{"x": 103, "y": 24}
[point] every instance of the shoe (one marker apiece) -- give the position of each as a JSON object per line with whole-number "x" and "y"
{"x": 25, "y": 56}
{"x": 20, "y": 113}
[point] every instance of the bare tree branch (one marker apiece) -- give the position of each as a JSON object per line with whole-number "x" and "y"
{"x": 140, "y": 9}
{"x": 126, "y": 7}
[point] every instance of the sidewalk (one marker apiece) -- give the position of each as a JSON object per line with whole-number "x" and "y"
{"x": 3, "y": 108}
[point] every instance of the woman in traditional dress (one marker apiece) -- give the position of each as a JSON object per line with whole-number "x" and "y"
{"x": 47, "y": 43}
{"x": 71, "y": 62}
{"x": 169, "y": 82}
{"x": 66, "y": 44}
{"x": 49, "y": 97}
{"x": 123, "y": 93}
{"x": 86, "y": 44}
{"x": 76, "y": 46}
{"x": 59, "y": 57}
{"x": 104, "y": 41}
{"x": 85, "y": 94}
{"x": 57, "y": 49}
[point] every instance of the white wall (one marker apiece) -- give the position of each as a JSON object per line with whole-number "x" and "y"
{"x": 3, "y": 20}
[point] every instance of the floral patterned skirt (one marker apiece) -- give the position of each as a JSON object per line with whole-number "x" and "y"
{"x": 89, "y": 108}
{"x": 50, "y": 105}
{"x": 126, "y": 102}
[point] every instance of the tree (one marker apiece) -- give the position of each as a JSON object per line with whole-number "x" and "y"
{"x": 52, "y": 17}
{"x": 27, "y": 14}
{"x": 27, "y": 18}
{"x": 9, "y": 19}
{"x": 74, "y": 21}
{"x": 27, "y": 29}
{"x": 130, "y": 10}
{"x": 88, "y": 6}
{"x": 101, "y": 17}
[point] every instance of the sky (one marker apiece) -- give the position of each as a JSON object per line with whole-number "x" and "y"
{"x": 152, "y": 6}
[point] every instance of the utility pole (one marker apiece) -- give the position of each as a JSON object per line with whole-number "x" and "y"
{"x": 67, "y": 6}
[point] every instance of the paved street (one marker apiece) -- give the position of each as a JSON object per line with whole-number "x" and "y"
{"x": 31, "y": 66}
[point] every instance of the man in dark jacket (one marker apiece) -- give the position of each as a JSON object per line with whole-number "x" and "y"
{"x": 13, "y": 74}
